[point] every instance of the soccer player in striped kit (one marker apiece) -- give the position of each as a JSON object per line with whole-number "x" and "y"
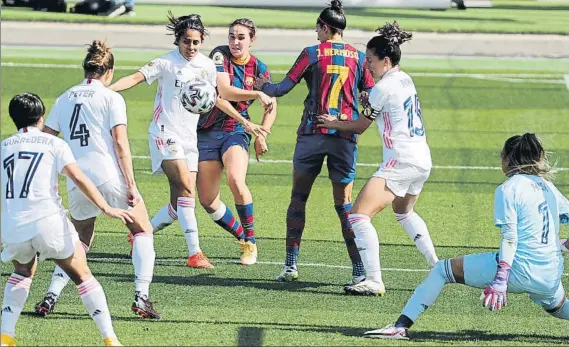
{"x": 223, "y": 141}
{"x": 335, "y": 74}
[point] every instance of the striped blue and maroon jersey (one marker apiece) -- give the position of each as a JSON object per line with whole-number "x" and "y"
{"x": 241, "y": 75}
{"x": 335, "y": 73}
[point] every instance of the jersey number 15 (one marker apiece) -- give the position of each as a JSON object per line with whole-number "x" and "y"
{"x": 413, "y": 109}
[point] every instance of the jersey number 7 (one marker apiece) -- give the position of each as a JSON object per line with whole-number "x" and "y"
{"x": 78, "y": 131}
{"x": 342, "y": 73}
{"x": 9, "y": 163}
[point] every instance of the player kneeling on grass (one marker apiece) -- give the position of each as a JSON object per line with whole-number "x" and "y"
{"x": 34, "y": 220}
{"x": 393, "y": 103}
{"x": 528, "y": 208}
{"x": 93, "y": 121}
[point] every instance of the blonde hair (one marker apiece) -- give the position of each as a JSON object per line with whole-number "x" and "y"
{"x": 99, "y": 59}
{"x": 525, "y": 154}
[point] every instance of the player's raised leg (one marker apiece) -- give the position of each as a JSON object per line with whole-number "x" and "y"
{"x": 415, "y": 227}
{"x": 236, "y": 160}
{"x": 15, "y": 296}
{"x": 59, "y": 279}
{"x": 182, "y": 194}
{"x": 371, "y": 200}
{"x": 91, "y": 293}
{"x": 209, "y": 180}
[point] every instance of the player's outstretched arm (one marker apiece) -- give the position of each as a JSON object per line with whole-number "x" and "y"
{"x": 357, "y": 126}
{"x": 226, "y": 107}
{"x": 122, "y": 150}
{"x": 127, "y": 82}
{"x": 231, "y": 93}
{"x": 90, "y": 190}
{"x": 269, "y": 117}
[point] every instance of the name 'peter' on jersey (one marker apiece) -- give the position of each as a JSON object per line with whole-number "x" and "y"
{"x": 31, "y": 162}
{"x": 533, "y": 208}
{"x": 396, "y": 109}
{"x": 241, "y": 75}
{"x": 335, "y": 73}
{"x": 172, "y": 71}
{"x": 85, "y": 115}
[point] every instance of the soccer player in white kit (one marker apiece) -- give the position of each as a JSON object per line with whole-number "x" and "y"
{"x": 35, "y": 221}
{"x": 93, "y": 121}
{"x": 528, "y": 209}
{"x": 173, "y": 130}
{"x": 394, "y": 105}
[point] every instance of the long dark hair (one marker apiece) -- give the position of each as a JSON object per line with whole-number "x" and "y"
{"x": 179, "y": 25}
{"x": 525, "y": 154}
{"x": 387, "y": 42}
{"x": 333, "y": 16}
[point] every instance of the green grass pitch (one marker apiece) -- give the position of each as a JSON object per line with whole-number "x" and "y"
{"x": 467, "y": 120}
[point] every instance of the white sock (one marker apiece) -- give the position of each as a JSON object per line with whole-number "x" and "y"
{"x": 163, "y": 218}
{"x": 143, "y": 257}
{"x": 368, "y": 245}
{"x": 189, "y": 224}
{"x": 94, "y": 299}
{"x": 15, "y": 296}
{"x": 417, "y": 230}
{"x": 59, "y": 279}
{"x": 219, "y": 213}
{"x": 428, "y": 291}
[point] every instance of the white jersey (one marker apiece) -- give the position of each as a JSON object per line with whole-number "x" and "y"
{"x": 397, "y": 111}
{"x": 172, "y": 70}
{"x": 85, "y": 115}
{"x": 31, "y": 162}
{"x": 533, "y": 207}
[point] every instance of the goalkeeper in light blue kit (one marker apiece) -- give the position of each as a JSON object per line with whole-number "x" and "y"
{"x": 529, "y": 209}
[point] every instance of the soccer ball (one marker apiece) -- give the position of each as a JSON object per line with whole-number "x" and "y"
{"x": 198, "y": 96}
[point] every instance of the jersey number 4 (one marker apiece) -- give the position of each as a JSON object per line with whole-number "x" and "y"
{"x": 9, "y": 163}
{"x": 78, "y": 131}
{"x": 413, "y": 109}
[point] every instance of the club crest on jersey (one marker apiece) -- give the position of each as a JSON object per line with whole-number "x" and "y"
{"x": 203, "y": 73}
{"x": 150, "y": 63}
{"x": 249, "y": 81}
{"x": 218, "y": 58}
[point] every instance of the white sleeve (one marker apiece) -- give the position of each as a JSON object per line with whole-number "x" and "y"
{"x": 212, "y": 75}
{"x": 52, "y": 120}
{"x": 153, "y": 70}
{"x": 117, "y": 111}
{"x": 377, "y": 99}
{"x": 64, "y": 156}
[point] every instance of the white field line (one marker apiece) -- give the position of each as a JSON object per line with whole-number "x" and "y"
{"x": 183, "y": 261}
{"x": 443, "y": 167}
{"x": 514, "y": 78}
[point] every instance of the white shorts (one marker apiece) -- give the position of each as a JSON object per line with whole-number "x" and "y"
{"x": 402, "y": 178}
{"x": 55, "y": 239}
{"x": 169, "y": 146}
{"x": 114, "y": 192}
